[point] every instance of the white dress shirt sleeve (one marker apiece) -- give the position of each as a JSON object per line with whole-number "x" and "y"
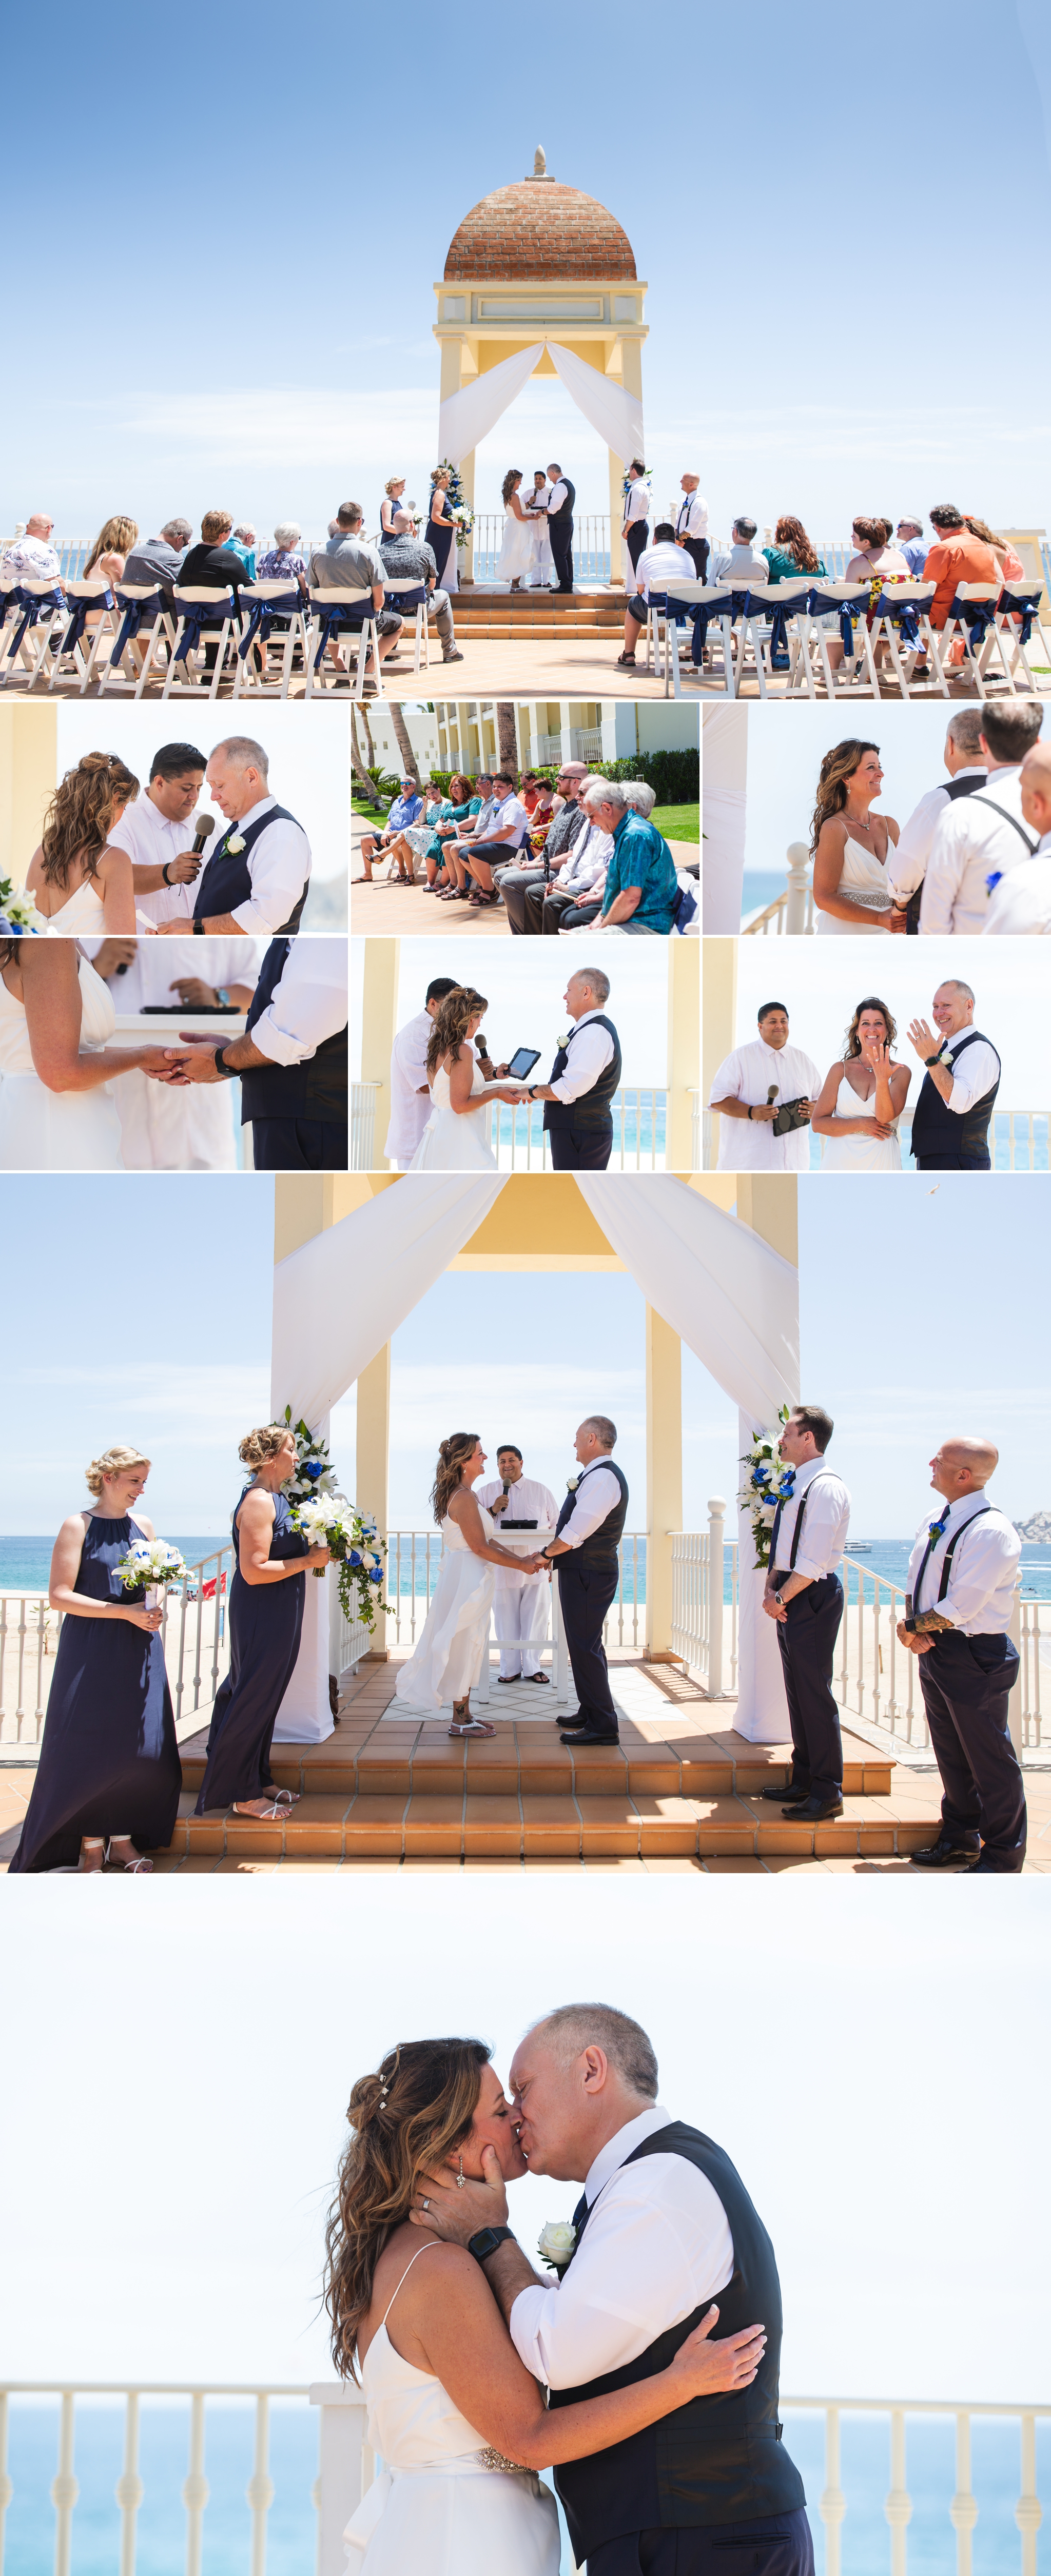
{"x": 729, "y": 1082}
{"x": 906, "y": 863}
{"x": 556, "y": 496}
{"x": 978, "y": 1072}
{"x": 825, "y": 1523}
{"x": 590, "y": 1053}
{"x": 658, "y": 2245}
{"x": 984, "y": 1564}
{"x": 1021, "y": 903}
{"x": 944, "y": 870}
{"x": 279, "y": 865}
{"x": 308, "y": 1005}
{"x": 597, "y": 1497}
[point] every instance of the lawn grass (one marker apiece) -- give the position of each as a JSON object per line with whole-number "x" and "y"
{"x": 678, "y": 822}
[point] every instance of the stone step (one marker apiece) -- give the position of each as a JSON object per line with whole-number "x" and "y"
{"x": 400, "y": 1759}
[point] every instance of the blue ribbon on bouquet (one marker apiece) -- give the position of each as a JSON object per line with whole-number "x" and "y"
{"x": 202, "y": 619}
{"x": 135, "y": 610}
{"x": 33, "y": 608}
{"x": 261, "y": 620}
{"x": 82, "y": 610}
{"x": 1023, "y": 604}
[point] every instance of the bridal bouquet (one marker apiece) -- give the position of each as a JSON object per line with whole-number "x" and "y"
{"x": 153, "y": 1563}
{"x": 463, "y": 514}
{"x": 17, "y": 908}
{"x": 768, "y": 1481}
{"x": 330, "y": 1521}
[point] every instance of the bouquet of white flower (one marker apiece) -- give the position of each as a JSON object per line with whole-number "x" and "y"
{"x": 17, "y": 908}
{"x": 315, "y": 1473}
{"x": 153, "y": 1564}
{"x": 768, "y": 1481}
{"x": 556, "y": 2243}
{"x": 328, "y": 1520}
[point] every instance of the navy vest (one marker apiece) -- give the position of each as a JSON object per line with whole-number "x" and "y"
{"x": 592, "y": 1110}
{"x": 226, "y": 880}
{"x": 563, "y": 516}
{"x": 718, "y": 2459}
{"x": 936, "y": 1129}
{"x": 601, "y": 1548}
{"x": 317, "y": 1088}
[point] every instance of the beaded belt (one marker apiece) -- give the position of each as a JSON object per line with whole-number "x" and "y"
{"x": 490, "y": 2459}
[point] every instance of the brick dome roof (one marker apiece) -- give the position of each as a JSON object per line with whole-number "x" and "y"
{"x": 538, "y": 228}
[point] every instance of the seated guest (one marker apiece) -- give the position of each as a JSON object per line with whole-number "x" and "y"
{"x": 954, "y": 556}
{"x": 750, "y": 1087}
{"x": 456, "y": 843}
{"x": 283, "y": 561}
{"x": 255, "y": 880}
{"x": 641, "y": 887}
{"x": 575, "y": 896}
{"x": 348, "y": 563}
{"x": 157, "y": 832}
{"x": 32, "y": 557}
{"x": 658, "y": 569}
{"x": 243, "y": 542}
{"x": 159, "y": 560}
{"x": 962, "y": 757}
{"x": 421, "y": 838}
{"x": 872, "y": 554}
{"x": 591, "y": 897}
{"x": 691, "y": 525}
{"x": 1010, "y": 562}
{"x": 107, "y": 558}
{"x": 541, "y": 805}
{"x": 214, "y": 564}
{"x": 743, "y": 565}
{"x": 163, "y": 1129}
{"x": 407, "y": 808}
{"x": 461, "y": 806}
{"x": 292, "y": 1060}
{"x": 504, "y": 832}
{"x": 791, "y": 553}
{"x": 403, "y": 556}
{"x": 523, "y": 887}
{"x": 1021, "y": 904}
{"x": 912, "y": 543}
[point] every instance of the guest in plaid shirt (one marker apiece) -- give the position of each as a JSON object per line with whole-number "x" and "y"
{"x": 281, "y": 562}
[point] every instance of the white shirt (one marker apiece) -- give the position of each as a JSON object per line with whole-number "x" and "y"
{"x": 969, "y": 843}
{"x": 661, "y": 567}
{"x": 598, "y": 1494}
{"x": 587, "y": 862}
{"x": 749, "y": 1144}
{"x": 308, "y": 1004}
{"x": 636, "y": 504}
{"x": 657, "y": 2245}
{"x": 152, "y": 842}
{"x": 30, "y": 559}
{"x": 588, "y": 1057}
{"x": 409, "y": 1112}
{"x": 907, "y": 862}
{"x": 979, "y": 1070}
{"x": 526, "y": 1501}
{"x": 147, "y": 982}
{"x": 691, "y": 518}
{"x": 825, "y": 1522}
{"x": 1021, "y": 904}
{"x": 982, "y": 1575}
{"x": 556, "y": 496}
{"x": 740, "y": 566}
{"x": 510, "y": 816}
{"x": 278, "y": 865}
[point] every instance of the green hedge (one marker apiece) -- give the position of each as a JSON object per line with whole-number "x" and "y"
{"x": 675, "y": 776}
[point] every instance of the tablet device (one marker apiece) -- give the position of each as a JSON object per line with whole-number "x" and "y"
{"x": 521, "y": 1064}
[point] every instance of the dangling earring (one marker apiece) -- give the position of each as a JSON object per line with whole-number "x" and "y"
{"x": 461, "y": 2179}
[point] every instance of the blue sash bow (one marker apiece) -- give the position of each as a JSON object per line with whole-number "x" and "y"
{"x": 264, "y": 612}
{"x": 134, "y": 612}
{"x": 33, "y": 609}
{"x": 202, "y": 618}
{"x": 734, "y": 604}
{"x": 406, "y": 602}
{"x": 978, "y": 615}
{"x": 334, "y": 619}
{"x": 819, "y": 605}
{"x": 82, "y": 610}
{"x": 1020, "y": 603}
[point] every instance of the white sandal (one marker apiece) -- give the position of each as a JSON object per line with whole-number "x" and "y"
{"x": 131, "y": 1867}
{"x": 274, "y": 1814}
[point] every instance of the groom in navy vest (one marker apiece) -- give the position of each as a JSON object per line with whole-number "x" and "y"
{"x": 950, "y": 1123}
{"x": 585, "y": 1548}
{"x": 560, "y": 502}
{"x": 584, "y": 1080}
{"x": 665, "y": 2228}
{"x": 257, "y": 876}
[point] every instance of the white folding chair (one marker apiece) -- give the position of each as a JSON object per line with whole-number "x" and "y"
{"x": 272, "y": 599}
{"x": 662, "y": 625}
{"x": 37, "y": 608}
{"x": 886, "y": 628}
{"x": 143, "y": 617}
{"x": 858, "y": 667}
{"x": 409, "y": 598}
{"x": 958, "y": 627}
{"x": 1017, "y": 608}
{"x": 330, "y": 627}
{"x": 713, "y": 595}
{"x": 195, "y": 634}
{"x": 76, "y": 645}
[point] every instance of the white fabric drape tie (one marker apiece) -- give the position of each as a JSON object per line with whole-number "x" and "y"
{"x": 465, "y": 418}
{"x": 731, "y": 1298}
{"x": 616, "y": 415}
{"x": 339, "y": 1298}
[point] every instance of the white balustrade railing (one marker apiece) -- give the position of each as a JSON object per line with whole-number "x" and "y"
{"x": 704, "y": 1591}
{"x": 590, "y": 545}
{"x": 790, "y": 914}
{"x": 193, "y": 1630}
{"x": 364, "y": 1101}
{"x": 518, "y": 1137}
{"x": 412, "y": 1561}
{"x": 1019, "y": 1139}
{"x": 346, "y": 2467}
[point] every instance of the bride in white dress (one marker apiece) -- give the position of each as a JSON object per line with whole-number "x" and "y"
{"x": 516, "y": 553}
{"x": 448, "y": 1657}
{"x": 457, "y": 2421}
{"x": 57, "y": 1113}
{"x": 542, "y": 561}
{"x": 78, "y": 881}
{"x": 863, "y": 1096}
{"x": 454, "y": 1137}
{"x": 851, "y": 894}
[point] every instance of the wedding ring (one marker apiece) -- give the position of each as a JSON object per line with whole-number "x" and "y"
{"x": 425, "y": 2204}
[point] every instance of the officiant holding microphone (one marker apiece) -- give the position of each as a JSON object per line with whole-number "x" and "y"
{"x": 585, "y": 1550}
{"x": 584, "y": 1079}
{"x": 522, "y": 1601}
{"x": 256, "y": 879}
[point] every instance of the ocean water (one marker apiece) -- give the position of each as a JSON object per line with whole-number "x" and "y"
{"x": 291, "y": 2523}
{"x": 761, "y": 886}
{"x": 25, "y": 1563}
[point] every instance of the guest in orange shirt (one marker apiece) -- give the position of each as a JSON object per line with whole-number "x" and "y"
{"x": 955, "y": 556}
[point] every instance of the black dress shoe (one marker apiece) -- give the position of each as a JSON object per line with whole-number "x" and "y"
{"x": 587, "y": 1735}
{"x": 814, "y": 1811}
{"x": 796, "y": 1795}
{"x": 944, "y": 1855}
{"x": 984, "y": 1868}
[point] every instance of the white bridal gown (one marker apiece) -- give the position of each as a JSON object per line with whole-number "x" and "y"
{"x": 515, "y": 558}
{"x": 56, "y": 1131}
{"x": 863, "y": 881}
{"x": 441, "y": 2506}
{"x": 454, "y": 1141}
{"x": 82, "y": 916}
{"x": 858, "y": 1153}
{"x": 448, "y": 1657}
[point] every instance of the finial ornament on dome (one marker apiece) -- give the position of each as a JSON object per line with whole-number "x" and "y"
{"x": 540, "y": 162}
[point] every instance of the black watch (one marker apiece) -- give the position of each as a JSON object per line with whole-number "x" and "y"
{"x": 229, "y": 1071}
{"x": 486, "y": 2240}
{"x": 198, "y": 928}
{"x": 165, "y": 878}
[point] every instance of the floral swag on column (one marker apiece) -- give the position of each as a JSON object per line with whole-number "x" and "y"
{"x": 327, "y": 1519}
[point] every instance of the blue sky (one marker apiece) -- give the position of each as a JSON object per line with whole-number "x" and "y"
{"x": 838, "y": 321}
{"x": 524, "y": 984}
{"x": 923, "y": 1314}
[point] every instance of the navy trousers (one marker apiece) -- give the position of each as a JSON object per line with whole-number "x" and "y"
{"x": 953, "y": 1163}
{"x": 560, "y": 532}
{"x": 965, "y": 1683}
{"x": 771, "y": 2544}
{"x": 585, "y": 1593}
{"x": 299, "y": 1145}
{"x": 587, "y": 1153}
{"x": 807, "y": 1639}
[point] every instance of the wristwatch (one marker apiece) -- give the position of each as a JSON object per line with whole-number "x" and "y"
{"x": 165, "y": 878}
{"x": 932, "y": 1059}
{"x": 222, "y": 996}
{"x": 198, "y": 928}
{"x": 230, "y": 1071}
{"x": 749, "y": 1109}
{"x": 486, "y": 2241}
{"x": 779, "y": 1601}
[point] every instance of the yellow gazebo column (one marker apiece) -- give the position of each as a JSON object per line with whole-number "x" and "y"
{"x": 372, "y": 1468}
{"x": 617, "y": 471}
{"x": 305, "y": 1204}
{"x": 28, "y": 772}
{"x": 719, "y": 1017}
{"x": 379, "y": 1021}
{"x": 684, "y": 1050}
{"x": 663, "y": 1475}
{"x": 769, "y": 1203}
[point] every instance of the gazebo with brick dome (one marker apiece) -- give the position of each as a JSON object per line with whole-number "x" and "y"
{"x": 541, "y": 279}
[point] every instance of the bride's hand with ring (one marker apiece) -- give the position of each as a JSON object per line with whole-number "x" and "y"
{"x": 455, "y": 2211}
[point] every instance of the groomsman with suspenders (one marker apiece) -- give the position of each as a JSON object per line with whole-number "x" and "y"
{"x": 636, "y": 529}
{"x": 585, "y": 1549}
{"x": 257, "y": 876}
{"x": 691, "y": 525}
{"x": 961, "y": 1587}
{"x": 804, "y": 1596}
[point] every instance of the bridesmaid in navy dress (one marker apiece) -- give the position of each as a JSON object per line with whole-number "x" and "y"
{"x": 109, "y": 1776}
{"x": 440, "y": 523}
{"x": 266, "y": 1617}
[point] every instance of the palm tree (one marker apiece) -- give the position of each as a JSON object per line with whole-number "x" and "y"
{"x": 507, "y": 737}
{"x": 408, "y": 757}
{"x": 367, "y": 785}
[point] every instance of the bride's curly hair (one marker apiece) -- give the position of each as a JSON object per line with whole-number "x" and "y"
{"x": 452, "y": 1459}
{"x": 852, "y": 1042}
{"x": 837, "y": 770}
{"x": 451, "y": 1019}
{"x": 510, "y": 484}
{"x": 404, "y": 2121}
{"x": 80, "y": 816}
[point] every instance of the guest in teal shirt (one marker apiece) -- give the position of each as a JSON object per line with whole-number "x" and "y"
{"x": 792, "y": 556}
{"x": 641, "y": 884}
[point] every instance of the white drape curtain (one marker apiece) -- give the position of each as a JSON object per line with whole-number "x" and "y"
{"x": 616, "y": 415}
{"x": 464, "y": 419}
{"x": 724, "y": 774}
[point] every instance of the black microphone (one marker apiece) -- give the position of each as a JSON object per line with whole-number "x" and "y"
{"x": 203, "y": 825}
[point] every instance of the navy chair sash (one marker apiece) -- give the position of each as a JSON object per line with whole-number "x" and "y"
{"x": 135, "y": 611}
{"x": 32, "y": 608}
{"x": 82, "y": 610}
{"x": 406, "y": 602}
{"x": 978, "y": 615}
{"x": 264, "y": 612}
{"x": 334, "y": 619}
{"x": 820, "y": 605}
{"x": 734, "y": 604}
{"x": 203, "y": 617}
{"x": 1020, "y": 603}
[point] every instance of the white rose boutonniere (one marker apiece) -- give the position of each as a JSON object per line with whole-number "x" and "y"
{"x": 556, "y": 2243}
{"x": 564, "y": 1039}
{"x": 571, "y": 1484}
{"x": 236, "y": 842}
